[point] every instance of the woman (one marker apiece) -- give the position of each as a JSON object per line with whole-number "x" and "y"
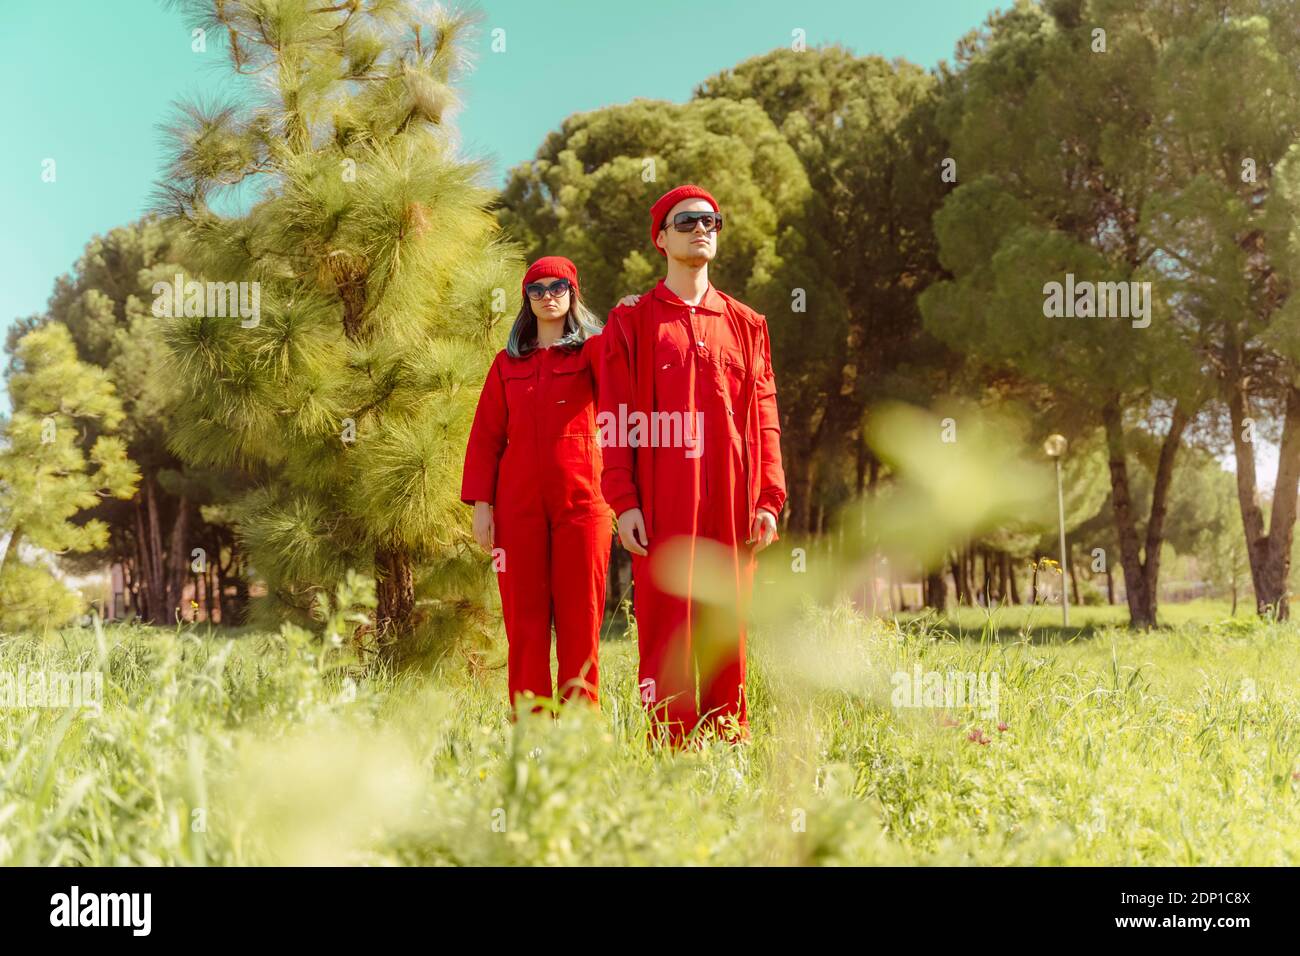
{"x": 532, "y": 473}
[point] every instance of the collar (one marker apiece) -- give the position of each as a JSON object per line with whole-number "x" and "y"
{"x": 711, "y": 302}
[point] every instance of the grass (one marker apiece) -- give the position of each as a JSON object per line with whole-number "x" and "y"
{"x": 1042, "y": 623}
{"x": 1099, "y": 615}
{"x": 1178, "y": 746}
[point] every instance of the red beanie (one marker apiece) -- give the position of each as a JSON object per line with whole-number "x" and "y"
{"x": 555, "y": 266}
{"x": 666, "y": 202}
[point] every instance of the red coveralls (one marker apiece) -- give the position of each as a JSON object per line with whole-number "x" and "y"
{"x": 663, "y": 355}
{"x": 534, "y": 455}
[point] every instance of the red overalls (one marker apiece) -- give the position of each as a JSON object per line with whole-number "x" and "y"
{"x": 662, "y": 355}
{"x": 533, "y": 454}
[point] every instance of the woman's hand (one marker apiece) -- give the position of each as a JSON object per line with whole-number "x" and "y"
{"x": 485, "y": 529}
{"x": 628, "y": 300}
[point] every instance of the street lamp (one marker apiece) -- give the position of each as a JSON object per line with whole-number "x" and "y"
{"x": 1055, "y": 448}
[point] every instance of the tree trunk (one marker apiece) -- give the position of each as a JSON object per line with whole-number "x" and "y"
{"x": 801, "y": 494}
{"x": 936, "y": 592}
{"x": 1141, "y": 574}
{"x": 149, "y": 599}
{"x": 395, "y": 590}
{"x": 1074, "y": 578}
{"x": 967, "y": 575}
{"x": 177, "y": 566}
{"x": 862, "y": 454}
{"x": 1269, "y": 553}
{"x": 240, "y": 607}
{"x": 160, "y": 610}
{"x": 1011, "y": 581}
{"x": 159, "y": 582}
{"x": 209, "y": 592}
{"x": 216, "y": 582}
{"x": 128, "y": 587}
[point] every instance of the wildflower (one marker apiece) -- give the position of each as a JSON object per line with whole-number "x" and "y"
{"x": 1003, "y": 727}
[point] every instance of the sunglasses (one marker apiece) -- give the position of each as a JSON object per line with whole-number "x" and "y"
{"x": 685, "y": 221}
{"x": 536, "y": 291}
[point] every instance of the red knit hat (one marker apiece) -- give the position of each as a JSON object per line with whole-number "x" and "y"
{"x": 555, "y": 266}
{"x": 666, "y": 202}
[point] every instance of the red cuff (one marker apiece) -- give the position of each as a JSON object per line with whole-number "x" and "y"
{"x": 625, "y": 503}
{"x": 471, "y": 492}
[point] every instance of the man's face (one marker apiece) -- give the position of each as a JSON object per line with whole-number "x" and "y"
{"x": 695, "y": 248}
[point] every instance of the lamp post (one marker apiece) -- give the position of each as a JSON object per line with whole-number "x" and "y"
{"x": 1055, "y": 448}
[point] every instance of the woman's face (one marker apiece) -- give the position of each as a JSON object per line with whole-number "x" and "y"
{"x": 549, "y": 307}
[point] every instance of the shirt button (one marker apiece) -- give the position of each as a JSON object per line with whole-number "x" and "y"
{"x": 700, "y": 343}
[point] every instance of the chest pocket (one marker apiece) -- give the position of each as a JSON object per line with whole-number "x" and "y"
{"x": 521, "y": 396}
{"x": 734, "y": 375}
{"x": 668, "y": 357}
{"x": 571, "y": 398}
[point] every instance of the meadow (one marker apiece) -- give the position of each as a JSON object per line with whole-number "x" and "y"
{"x": 1174, "y": 747}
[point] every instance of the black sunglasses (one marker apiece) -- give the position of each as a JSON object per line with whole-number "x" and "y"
{"x": 685, "y": 221}
{"x": 536, "y": 291}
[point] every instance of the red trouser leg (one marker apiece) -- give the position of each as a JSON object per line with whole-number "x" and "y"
{"x": 719, "y": 632}
{"x": 720, "y": 655}
{"x": 526, "y": 602}
{"x": 579, "y": 565}
{"x": 666, "y": 675}
{"x": 720, "y": 641}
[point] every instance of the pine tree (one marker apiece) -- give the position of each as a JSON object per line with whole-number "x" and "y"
{"x": 104, "y": 301}
{"x": 46, "y": 479}
{"x": 380, "y": 276}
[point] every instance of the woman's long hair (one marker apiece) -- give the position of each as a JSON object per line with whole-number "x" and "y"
{"x": 579, "y": 325}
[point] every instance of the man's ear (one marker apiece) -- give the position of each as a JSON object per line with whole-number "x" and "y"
{"x": 661, "y": 240}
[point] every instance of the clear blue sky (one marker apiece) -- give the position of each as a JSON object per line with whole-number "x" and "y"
{"x": 87, "y": 81}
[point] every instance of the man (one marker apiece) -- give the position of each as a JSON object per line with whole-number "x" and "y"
{"x": 695, "y": 509}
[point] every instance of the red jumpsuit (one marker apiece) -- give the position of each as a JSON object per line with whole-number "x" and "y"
{"x": 662, "y": 355}
{"x": 533, "y": 454}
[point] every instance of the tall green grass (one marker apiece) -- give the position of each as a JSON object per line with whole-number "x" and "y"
{"x": 1173, "y": 747}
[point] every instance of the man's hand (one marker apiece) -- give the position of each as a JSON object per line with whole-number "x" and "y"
{"x": 763, "y": 529}
{"x": 628, "y": 300}
{"x": 485, "y": 529}
{"x": 631, "y": 531}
